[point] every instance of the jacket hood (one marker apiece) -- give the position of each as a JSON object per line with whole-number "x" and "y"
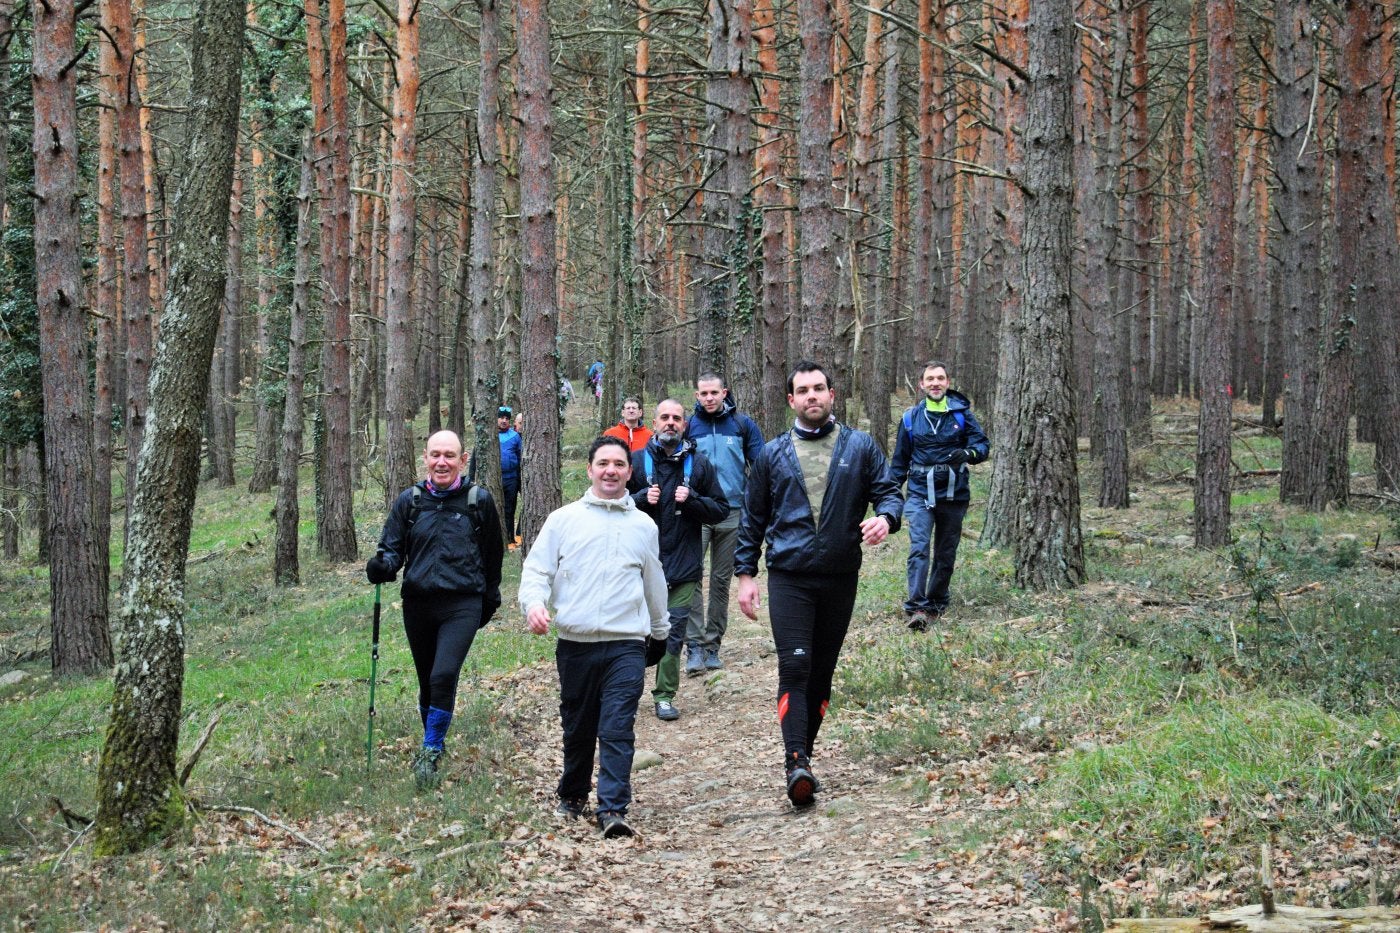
{"x": 726, "y": 408}
{"x": 625, "y": 503}
{"x": 956, "y": 401}
{"x": 657, "y": 451}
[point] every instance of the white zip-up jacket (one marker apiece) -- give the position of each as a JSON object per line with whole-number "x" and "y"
{"x": 597, "y": 563}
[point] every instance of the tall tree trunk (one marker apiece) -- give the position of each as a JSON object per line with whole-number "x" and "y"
{"x": 286, "y": 558}
{"x": 816, "y": 217}
{"x": 1212, "y": 498}
{"x": 139, "y": 799}
{"x": 136, "y": 290}
{"x": 399, "y": 315}
{"x": 1139, "y": 408}
{"x": 1368, "y": 252}
{"x": 457, "y": 407}
{"x": 336, "y": 516}
{"x": 538, "y": 314}
{"x": 999, "y": 527}
{"x": 486, "y": 385}
{"x": 776, "y": 275}
{"x": 108, "y": 285}
{"x": 77, "y": 560}
{"x": 716, "y": 275}
{"x": 221, "y": 411}
{"x": 1049, "y": 548}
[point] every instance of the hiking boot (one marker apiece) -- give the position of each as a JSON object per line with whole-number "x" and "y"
{"x": 802, "y": 784}
{"x": 695, "y": 659}
{"x": 614, "y": 826}
{"x": 712, "y": 661}
{"x": 425, "y": 768}
{"x": 571, "y": 808}
{"x": 666, "y": 711}
{"x": 917, "y": 620}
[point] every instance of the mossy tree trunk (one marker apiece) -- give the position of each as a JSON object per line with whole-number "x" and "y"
{"x": 139, "y": 799}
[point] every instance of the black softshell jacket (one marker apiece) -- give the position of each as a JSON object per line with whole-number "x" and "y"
{"x": 442, "y": 554}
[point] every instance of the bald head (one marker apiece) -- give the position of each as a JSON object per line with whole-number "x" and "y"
{"x": 442, "y": 458}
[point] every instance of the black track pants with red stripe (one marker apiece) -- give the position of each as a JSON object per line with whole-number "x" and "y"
{"x": 810, "y": 614}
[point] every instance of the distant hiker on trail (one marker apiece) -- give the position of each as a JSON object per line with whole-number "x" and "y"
{"x": 807, "y": 495}
{"x": 731, "y": 441}
{"x": 674, "y": 484}
{"x": 510, "y": 467}
{"x": 937, "y": 439}
{"x": 445, "y": 533}
{"x": 630, "y": 429}
{"x": 596, "y": 562}
{"x": 566, "y": 394}
{"x": 595, "y": 380}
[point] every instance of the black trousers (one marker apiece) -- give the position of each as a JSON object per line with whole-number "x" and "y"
{"x": 810, "y": 614}
{"x": 440, "y": 633}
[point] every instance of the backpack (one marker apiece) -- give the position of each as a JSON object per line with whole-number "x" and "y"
{"x": 651, "y": 467}
{"x": 909, "y": 421}
{"x": 472, "y": 511}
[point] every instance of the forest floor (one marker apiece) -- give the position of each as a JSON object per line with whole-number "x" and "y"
{"x": 718, "y": 846}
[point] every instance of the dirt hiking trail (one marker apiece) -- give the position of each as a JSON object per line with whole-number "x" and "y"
{"x": 718, "y": 847}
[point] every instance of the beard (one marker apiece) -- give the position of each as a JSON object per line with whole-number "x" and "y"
{"x": 668, "y": 439}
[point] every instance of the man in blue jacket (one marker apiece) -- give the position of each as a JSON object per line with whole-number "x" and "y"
{"x": 937, "y": 439}
{"x": 510, "y": 467}
{"x": 807, "y": 497}
{"x": 731, "y": 441}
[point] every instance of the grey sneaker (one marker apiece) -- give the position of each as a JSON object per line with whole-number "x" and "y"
{"x": 695, "y": 660}
{"x": 614, "y": 826}
{"x": 712, "y": 661}
{"x": 666, "y": 711}
{"x": 425, "y": 768}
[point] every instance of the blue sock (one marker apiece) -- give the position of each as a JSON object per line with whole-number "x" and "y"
{"x": 435, "y": 729}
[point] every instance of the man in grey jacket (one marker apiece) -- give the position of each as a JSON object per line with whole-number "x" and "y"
{"x": 597, "y": 563}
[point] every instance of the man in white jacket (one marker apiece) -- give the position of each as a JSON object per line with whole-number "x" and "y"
{"x": 596, "y": 562}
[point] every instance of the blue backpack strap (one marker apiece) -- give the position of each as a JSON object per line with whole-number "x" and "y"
{"x": 685, "y": 479}
{"x": 651, "y": 467}
{"x": 961, "y": 419}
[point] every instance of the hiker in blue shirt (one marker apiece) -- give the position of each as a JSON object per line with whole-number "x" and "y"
{"x": 937, "y": 440}
{"x": 510, "y": 466}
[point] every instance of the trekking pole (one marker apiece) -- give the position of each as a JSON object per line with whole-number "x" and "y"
{"x": 373, "y": 675}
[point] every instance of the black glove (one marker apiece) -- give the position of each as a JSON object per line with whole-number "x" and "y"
{"x": 955, "y": 457}
{"x": 656, "y": 650}
{"x": 378, "y": 570}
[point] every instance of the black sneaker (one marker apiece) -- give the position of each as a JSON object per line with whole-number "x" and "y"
{"x": 666, "y": 711}
{"x": 917, "y": 620}
{"x": 571, "y": 808}
{"x": 614, "y": 826}
{"x": 802, "y": 785}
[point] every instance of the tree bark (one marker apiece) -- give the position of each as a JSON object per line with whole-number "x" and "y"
{"x": 1367, "y": 248}
{"x": 776, "y": 276}
{"x": 77, "y": 560}
{"x": 221, "y": 410}
{"x": 336, "y": 516}
{"x": 539, "y": 468}
{"x": 139, "y": 798}
{"x": 108, "y": 285}
{"x": 1049, "y": 549}
{"x": 286, "y": 557}
{"x": 816, "y": 217}
{"x": 486, "y": 385}
{"x": 136, "y": 290}
{"x": 1211, "y": 518}
{"x": 399, "y": 381}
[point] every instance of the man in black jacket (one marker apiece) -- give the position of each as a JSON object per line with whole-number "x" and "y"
{"x": 674, "y": 484}
{"x": 446, "y": 534}
{"x": 807, "y": 495}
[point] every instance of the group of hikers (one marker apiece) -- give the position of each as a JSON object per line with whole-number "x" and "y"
{"x": 620, "y": 572}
